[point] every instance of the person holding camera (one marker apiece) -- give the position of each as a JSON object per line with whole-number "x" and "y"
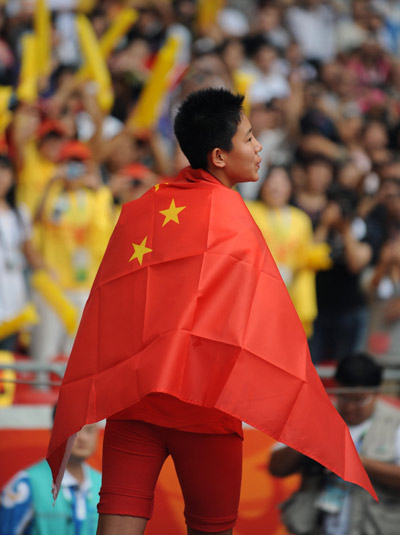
{"x": 381, "y": 282}
{"x": 74, "y": 221}
{"x": 341, "y": 325}
{"x": 327, "y": 505}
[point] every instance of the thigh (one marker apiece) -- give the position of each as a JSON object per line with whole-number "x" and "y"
{"x": 209, "y": 469}
{"x": 133, "y": 455}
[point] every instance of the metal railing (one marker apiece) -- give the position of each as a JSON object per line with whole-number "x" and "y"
{"x": 390, "y": 374}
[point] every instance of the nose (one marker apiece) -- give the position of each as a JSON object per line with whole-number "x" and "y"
{"x": 257, "y": 146}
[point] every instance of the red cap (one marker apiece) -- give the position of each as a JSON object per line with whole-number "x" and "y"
{"x": 75, "y": 150}
{"x": 136, "y": 170}
{"x": 51, "y": 126}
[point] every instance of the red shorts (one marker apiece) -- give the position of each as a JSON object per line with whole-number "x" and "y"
{"x": 209, "y": 469}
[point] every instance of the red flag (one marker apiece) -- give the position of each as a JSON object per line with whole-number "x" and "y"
{"x": 189, "y": 302}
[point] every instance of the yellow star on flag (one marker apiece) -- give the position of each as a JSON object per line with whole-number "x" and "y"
{"x": 158, "y": 186}
{"x": 171, "y": 213}
{"x": 140, "y": 251}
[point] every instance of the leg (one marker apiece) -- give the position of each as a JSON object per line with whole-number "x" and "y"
{"x": 78, "y": 298}
{"x": 209, "y": 469}
{"x": 133, "y": 455}
{"x": 121, "y": 524}
{"x": 46, "y": 336}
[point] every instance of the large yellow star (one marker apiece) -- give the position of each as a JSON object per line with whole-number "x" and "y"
{"x": 171, "y": 213}
{"x": 140, "y": 251}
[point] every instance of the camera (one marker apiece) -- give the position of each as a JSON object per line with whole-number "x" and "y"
{"x": 347, "y": 199}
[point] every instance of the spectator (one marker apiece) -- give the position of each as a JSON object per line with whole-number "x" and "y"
{"x": 313, "y": 197}
{"x": 288, "y": 233}
{"x": 26, "y": 505}
{"x": 74, "y": 220}
{"x": 16, "y": 251}
{"x": 36, "y": 145}
{"x": 312, "y": 24}
{"x": 343, "y": 315}
{"x": 130, "y": 183}
{"x": 269, "y": 83}
{"x": 381, "y": 282}
{"x": 326, "y": 504}
{"x": 269, "y": 23}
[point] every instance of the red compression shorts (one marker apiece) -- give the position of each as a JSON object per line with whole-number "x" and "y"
{"x": 208, "y": 467}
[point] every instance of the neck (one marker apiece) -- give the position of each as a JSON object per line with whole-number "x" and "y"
{"x": 75, "y": 468}
{"x": 219, "y": 175}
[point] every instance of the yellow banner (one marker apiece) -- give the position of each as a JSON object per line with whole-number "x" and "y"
{"x": 148, "y": 109}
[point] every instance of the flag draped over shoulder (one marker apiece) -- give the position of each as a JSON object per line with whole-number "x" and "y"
{"x": 189, "y": 302}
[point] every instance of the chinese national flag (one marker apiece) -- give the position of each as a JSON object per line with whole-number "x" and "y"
{"x": 189, "y": 302}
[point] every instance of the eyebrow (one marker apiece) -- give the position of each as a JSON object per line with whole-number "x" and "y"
{"x": 250, "y": 131}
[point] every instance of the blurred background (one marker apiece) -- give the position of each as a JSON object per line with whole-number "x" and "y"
{"x": 88, "y": 93}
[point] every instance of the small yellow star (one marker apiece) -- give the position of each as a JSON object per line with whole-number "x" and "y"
{"x": 171, "y": 213}
{"x": 158, "y": 186}
{"x": 140, "y": 251}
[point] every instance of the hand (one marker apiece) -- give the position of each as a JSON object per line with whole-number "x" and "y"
{"x": 332, "y": 215}
{"x": 91, "y": 180}
{"x": 392, "y": 310}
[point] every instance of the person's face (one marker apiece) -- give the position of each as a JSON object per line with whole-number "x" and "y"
{"x": 50, "y": 148}
{"x": 124, "y": 151}
{"x": 268, "y": 18}
{"x": 350, "y": 128}
{"x": 242, "y": 162}
{"x": 277, "y": 189}
{"x": 85, "y": 442}
{"x": 234, "y": 55}
{"x": 350, "y": 176}
{"x": 356, "y": 407}
{"x": 264, "y": 59}
{"x": 6, "y": 181}
{"x": 263, "y": 118}
{"x": 319, "y": 177}
{"x": 375, "y": 136}
{"x": 390, "y": 193}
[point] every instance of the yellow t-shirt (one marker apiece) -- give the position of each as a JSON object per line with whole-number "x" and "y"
{"x": 288, "y": 233}
{"x": 33, "y": 177}
{"x": 74, "y": 232}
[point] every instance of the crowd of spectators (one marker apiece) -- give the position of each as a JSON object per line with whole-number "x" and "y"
{"x": 322, "y": 86}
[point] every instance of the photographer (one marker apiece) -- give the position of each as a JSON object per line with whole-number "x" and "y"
{"x": 382, "y": 281}
{"x": 341, "y": 324}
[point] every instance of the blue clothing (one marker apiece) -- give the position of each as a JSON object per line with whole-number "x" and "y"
{"x": 26, "y": 505}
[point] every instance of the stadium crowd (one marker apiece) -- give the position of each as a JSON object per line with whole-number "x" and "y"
{"x": 88, "y": 94}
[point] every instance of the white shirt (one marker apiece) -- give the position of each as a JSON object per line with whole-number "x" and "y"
{"x": 14, "y": 231}
{"x": 337, "y": 524}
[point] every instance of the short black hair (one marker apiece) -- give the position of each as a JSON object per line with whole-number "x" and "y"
{"x": 318, "y": 158}
{"x": 207, "y": 119}
{"x": 359, "y": 369}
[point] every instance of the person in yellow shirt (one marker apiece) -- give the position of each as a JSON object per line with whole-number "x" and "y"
{"x": 289, "y": 235}
{"x": 75, "y": 220}
{"x": 36, "y": 145}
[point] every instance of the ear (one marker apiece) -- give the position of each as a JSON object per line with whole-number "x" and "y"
{"x": 217, "y": 158}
